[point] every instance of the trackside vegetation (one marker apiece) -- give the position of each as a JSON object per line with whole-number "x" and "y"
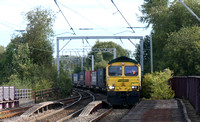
{"x": 27, "y": 62}
{"x": 175, "y": 36}
{"x": 156, "y": 85}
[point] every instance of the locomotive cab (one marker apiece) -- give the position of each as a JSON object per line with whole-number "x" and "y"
{"x": 123, "y": 81}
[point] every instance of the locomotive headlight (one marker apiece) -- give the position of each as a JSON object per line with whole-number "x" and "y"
{"x": 111, "y": 87}
{"x": 134, "y": 87}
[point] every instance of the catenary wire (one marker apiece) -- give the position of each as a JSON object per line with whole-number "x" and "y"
{"x": 65, "y": 17}
{"x": 85, "y": 18}
{"x": 122, "y": 16}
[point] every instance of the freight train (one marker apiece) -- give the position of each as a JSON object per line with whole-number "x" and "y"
{"x": 121, "y": 79}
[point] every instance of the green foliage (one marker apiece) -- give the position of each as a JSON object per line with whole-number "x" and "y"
{"x": 65, "y": 83}
{"x": 166, "y": 17}
{"x": 2, "y": 63}
{"x": 21, "y": 62}
{"x": 101, "y": 58}
{"x": 146, "y": 54}
{"x": 2, "y": 50}
{"x": 156, "y": 85}
{"x": 39, "y": 35}
{"x": 184, "y": 49}
{"x": 27, "y": 61}
{"x": 108, "y": 56}
{"x": 100, "y": 65}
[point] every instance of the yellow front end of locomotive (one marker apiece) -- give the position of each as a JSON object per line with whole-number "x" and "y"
{"x": 123, "y": 76}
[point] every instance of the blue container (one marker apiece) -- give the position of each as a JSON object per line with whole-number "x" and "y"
{"x": 94, "y": 78}
{"x": 81, "y": 78}
{"x": 75, "y": 78}
{"x": 101, "y": 78}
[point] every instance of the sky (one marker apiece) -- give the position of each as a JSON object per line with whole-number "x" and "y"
{"x": 87, "y": 18}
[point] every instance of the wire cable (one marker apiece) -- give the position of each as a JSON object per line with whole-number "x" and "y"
{"x": 65, "y": 17}
{"x": 123, "y": 16}
{"x": 85, "y": 18}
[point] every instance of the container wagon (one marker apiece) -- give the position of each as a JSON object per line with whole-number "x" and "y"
{"x": 88, "y": 79}
{"x": 101, "y": 79}
{"x": 81, "y": 81}
{"x": 94, "y": 79}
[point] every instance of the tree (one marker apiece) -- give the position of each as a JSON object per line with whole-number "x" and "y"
{"x": 183, "y": 50}
{"x": 108, "y": 56}
{"x": 2, "y": 49}
{"x": 102, "y": 58}
{"x": 2, "y": 64}
{"x": 39, "y": 35}
{"x": 166, "y": 17}
{"x": 146, "y": 54}
{"x": 22, "y": 67}
{"x": 28, "y": 58}
{"x": 38, "y": 39}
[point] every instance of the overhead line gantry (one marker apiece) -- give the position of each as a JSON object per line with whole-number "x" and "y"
{"x": 70, "y": 38}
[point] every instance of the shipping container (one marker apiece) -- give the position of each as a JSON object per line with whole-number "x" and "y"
{"x": 75, "y": 78}
{"x": 6, "y": 94}
{"x": 81, "y": 78}
{"x": 94, "y": 79}
{"x": 88, "y": 78}
{"x": 101, "y": 78}
{"x": 1, "y": 93}
{"x": 12, "y": 93}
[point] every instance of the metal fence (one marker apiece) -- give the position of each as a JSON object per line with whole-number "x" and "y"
{"x": 46, "y": 94}
{"x": 23, "y": 93}
{"x": 188, "y": 88}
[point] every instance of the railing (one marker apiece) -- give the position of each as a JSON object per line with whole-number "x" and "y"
{"x": 188, "y": 88}
{"x": 9, "y": 96}
{"x": 23, "y": 93}
{"x": 46, "y": 94}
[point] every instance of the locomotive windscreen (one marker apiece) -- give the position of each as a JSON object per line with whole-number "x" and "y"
{"x": 115, "y": 71}
{"x": 131, "y": 70}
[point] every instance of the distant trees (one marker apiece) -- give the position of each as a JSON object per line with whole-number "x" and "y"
{"x": 166, "y": 18}
{"x": 110, "y": 44}
{"x": 28, "y": 60}
{"x": 102, "y": 58}
{"x": 2, "y": 49}
{"x": 146, "y": 54}
{"x": 2, "y": 64}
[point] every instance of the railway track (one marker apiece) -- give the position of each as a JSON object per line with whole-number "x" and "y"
{"x": 101, "y": 115}
{"x": 71, "y": 108}
{"x": 53, "y": 116}
{"x": 13, "y": 112}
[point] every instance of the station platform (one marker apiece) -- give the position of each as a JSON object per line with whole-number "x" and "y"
{"x": 157, "y": 111}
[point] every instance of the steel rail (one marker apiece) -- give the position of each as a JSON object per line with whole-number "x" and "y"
{"x": 101, "y": 115}
{"x": 69, "y": 116}
{"x": 13, "y": 112}
{"x": 60, "y": 110}
{"x": 52, "y": 113}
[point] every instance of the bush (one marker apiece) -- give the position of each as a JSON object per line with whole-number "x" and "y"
{"x": 64, "y": 83}
{"x": 156, "y": 85}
